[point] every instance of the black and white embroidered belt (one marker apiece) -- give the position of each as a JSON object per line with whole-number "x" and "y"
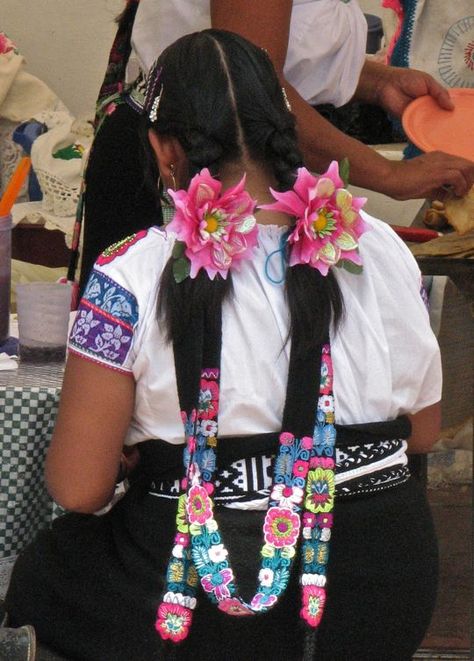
{"x": 369, "y": 459}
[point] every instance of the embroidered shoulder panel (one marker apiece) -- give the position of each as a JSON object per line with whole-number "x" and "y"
{"x": 105, "y": 321}
{"x": 120, "y": 247}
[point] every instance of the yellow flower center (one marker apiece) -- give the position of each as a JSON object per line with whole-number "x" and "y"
{"x": 212, "y": 223}
{"x": 321, "y": 221}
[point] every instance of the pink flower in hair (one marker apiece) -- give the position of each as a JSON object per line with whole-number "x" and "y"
{"x": 328, "y": 224}
{"x": 218, "y": 231}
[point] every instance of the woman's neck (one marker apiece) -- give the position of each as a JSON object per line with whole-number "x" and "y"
{"x": 257, "y": 184}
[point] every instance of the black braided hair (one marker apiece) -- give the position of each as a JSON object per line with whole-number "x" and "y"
{"x": 222, "y": 100}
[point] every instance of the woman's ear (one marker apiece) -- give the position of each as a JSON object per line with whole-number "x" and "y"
{"x": 169, "y": 156}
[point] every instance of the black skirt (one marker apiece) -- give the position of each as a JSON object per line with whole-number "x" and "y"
{"x": 91, "y": 585}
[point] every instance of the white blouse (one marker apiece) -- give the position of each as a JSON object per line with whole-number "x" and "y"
{"x": 326, "y": 47}
{"x": 386, "y": 358}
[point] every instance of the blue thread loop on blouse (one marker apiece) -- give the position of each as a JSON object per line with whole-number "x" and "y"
{"x": 282, "y": 252}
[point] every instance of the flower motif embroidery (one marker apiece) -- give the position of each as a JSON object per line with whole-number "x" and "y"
{"x": 328, "y": 223}
{"x": 286, "y": 438}
{"x": 177, "y": 551}
{"x": 320, "y": 488}
{"x": 83, "y": 324}
{"x": 324, "y": 520}
{"x": 111, "y": 338}
{"x": 314, "y": 598}
{"x": 173, "y": 621}
{"x": 263, "y": 601}
{"x": 198, "y": 506}
{"x": 218, "y": 582}
{"x": 218, "y": 231}
{"x": 233, "y": 606}
{"x": 208, "y": 399}
{"x": 297, "y": 476}
{"x": 323, "y": 462}
{"x": 326, "y": 403}
{"x": 300, "y": 468}
{"x": 181, "y": 539}
{"x": 217, "y": 553}
{"x": 287, "y": 496}
{"x": 281, "y": 527}
{"x": 265, "y": 577}
{"x": 208, "y": 427}
{"x": 309, "y": 519}
{"x": 306, "y": 443}
{"x": 326, "y": 375}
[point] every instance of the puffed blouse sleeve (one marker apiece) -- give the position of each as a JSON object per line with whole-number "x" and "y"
{"x": 386, "y": 357}
{"x": 119, "y": 292}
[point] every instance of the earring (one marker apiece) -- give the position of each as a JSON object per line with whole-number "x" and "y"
{"x": 172, "y": 175}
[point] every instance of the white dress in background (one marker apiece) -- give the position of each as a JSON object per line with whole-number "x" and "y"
{"x": 326, "y": 48}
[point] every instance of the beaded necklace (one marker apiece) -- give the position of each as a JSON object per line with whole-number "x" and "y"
{"x": 300, "y": 505}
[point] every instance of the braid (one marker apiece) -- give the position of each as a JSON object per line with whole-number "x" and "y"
{"x": 202, "y": 150}
{"x": 284, "y": 156}
{"x": 309, "y": 645}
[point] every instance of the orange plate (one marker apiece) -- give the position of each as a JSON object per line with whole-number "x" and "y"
{"x": 431, "y": 128}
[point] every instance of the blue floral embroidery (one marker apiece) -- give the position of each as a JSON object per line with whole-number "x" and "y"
{"x": 105, "y": 320}
{"x": 106, "y": 294}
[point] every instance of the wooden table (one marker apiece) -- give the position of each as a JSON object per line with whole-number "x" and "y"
{"x": 38, "y": 245}
{"x": 458, "y": 269}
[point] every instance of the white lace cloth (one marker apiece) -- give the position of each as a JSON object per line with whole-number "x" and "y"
{"x": 60, "y": 176}
{"x": 10, "y": 154}
{"x": 33, "y": 213}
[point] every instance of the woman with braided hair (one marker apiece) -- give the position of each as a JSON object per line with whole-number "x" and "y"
{"x": 268, "y": 362}
{"x": 318, "y": 50}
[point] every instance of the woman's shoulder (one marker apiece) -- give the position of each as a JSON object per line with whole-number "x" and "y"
{"x": 133, "y": 265}
{"x": 145, "y": 251}
{"x": 390, "y": 273}
{"x": 383, "y": 248}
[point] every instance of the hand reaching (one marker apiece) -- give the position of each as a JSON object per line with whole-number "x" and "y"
{"x": 395, "y": 87}
{"x": 430, "y": 175}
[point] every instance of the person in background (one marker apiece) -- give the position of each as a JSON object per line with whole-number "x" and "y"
{"x": 318, "y": 50}
{"x": 267, "y": 360}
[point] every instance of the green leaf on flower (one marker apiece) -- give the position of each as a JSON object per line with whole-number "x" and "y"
{"x": 330, "y": 252}
{"x": 178, "y": 249}
{"x": 345, "y": 241}
{"x": 356, "y": 269}
{"x": 181, "y": 269}
{"x": 344, "y": 171}
{"x": 246, "y": 225}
